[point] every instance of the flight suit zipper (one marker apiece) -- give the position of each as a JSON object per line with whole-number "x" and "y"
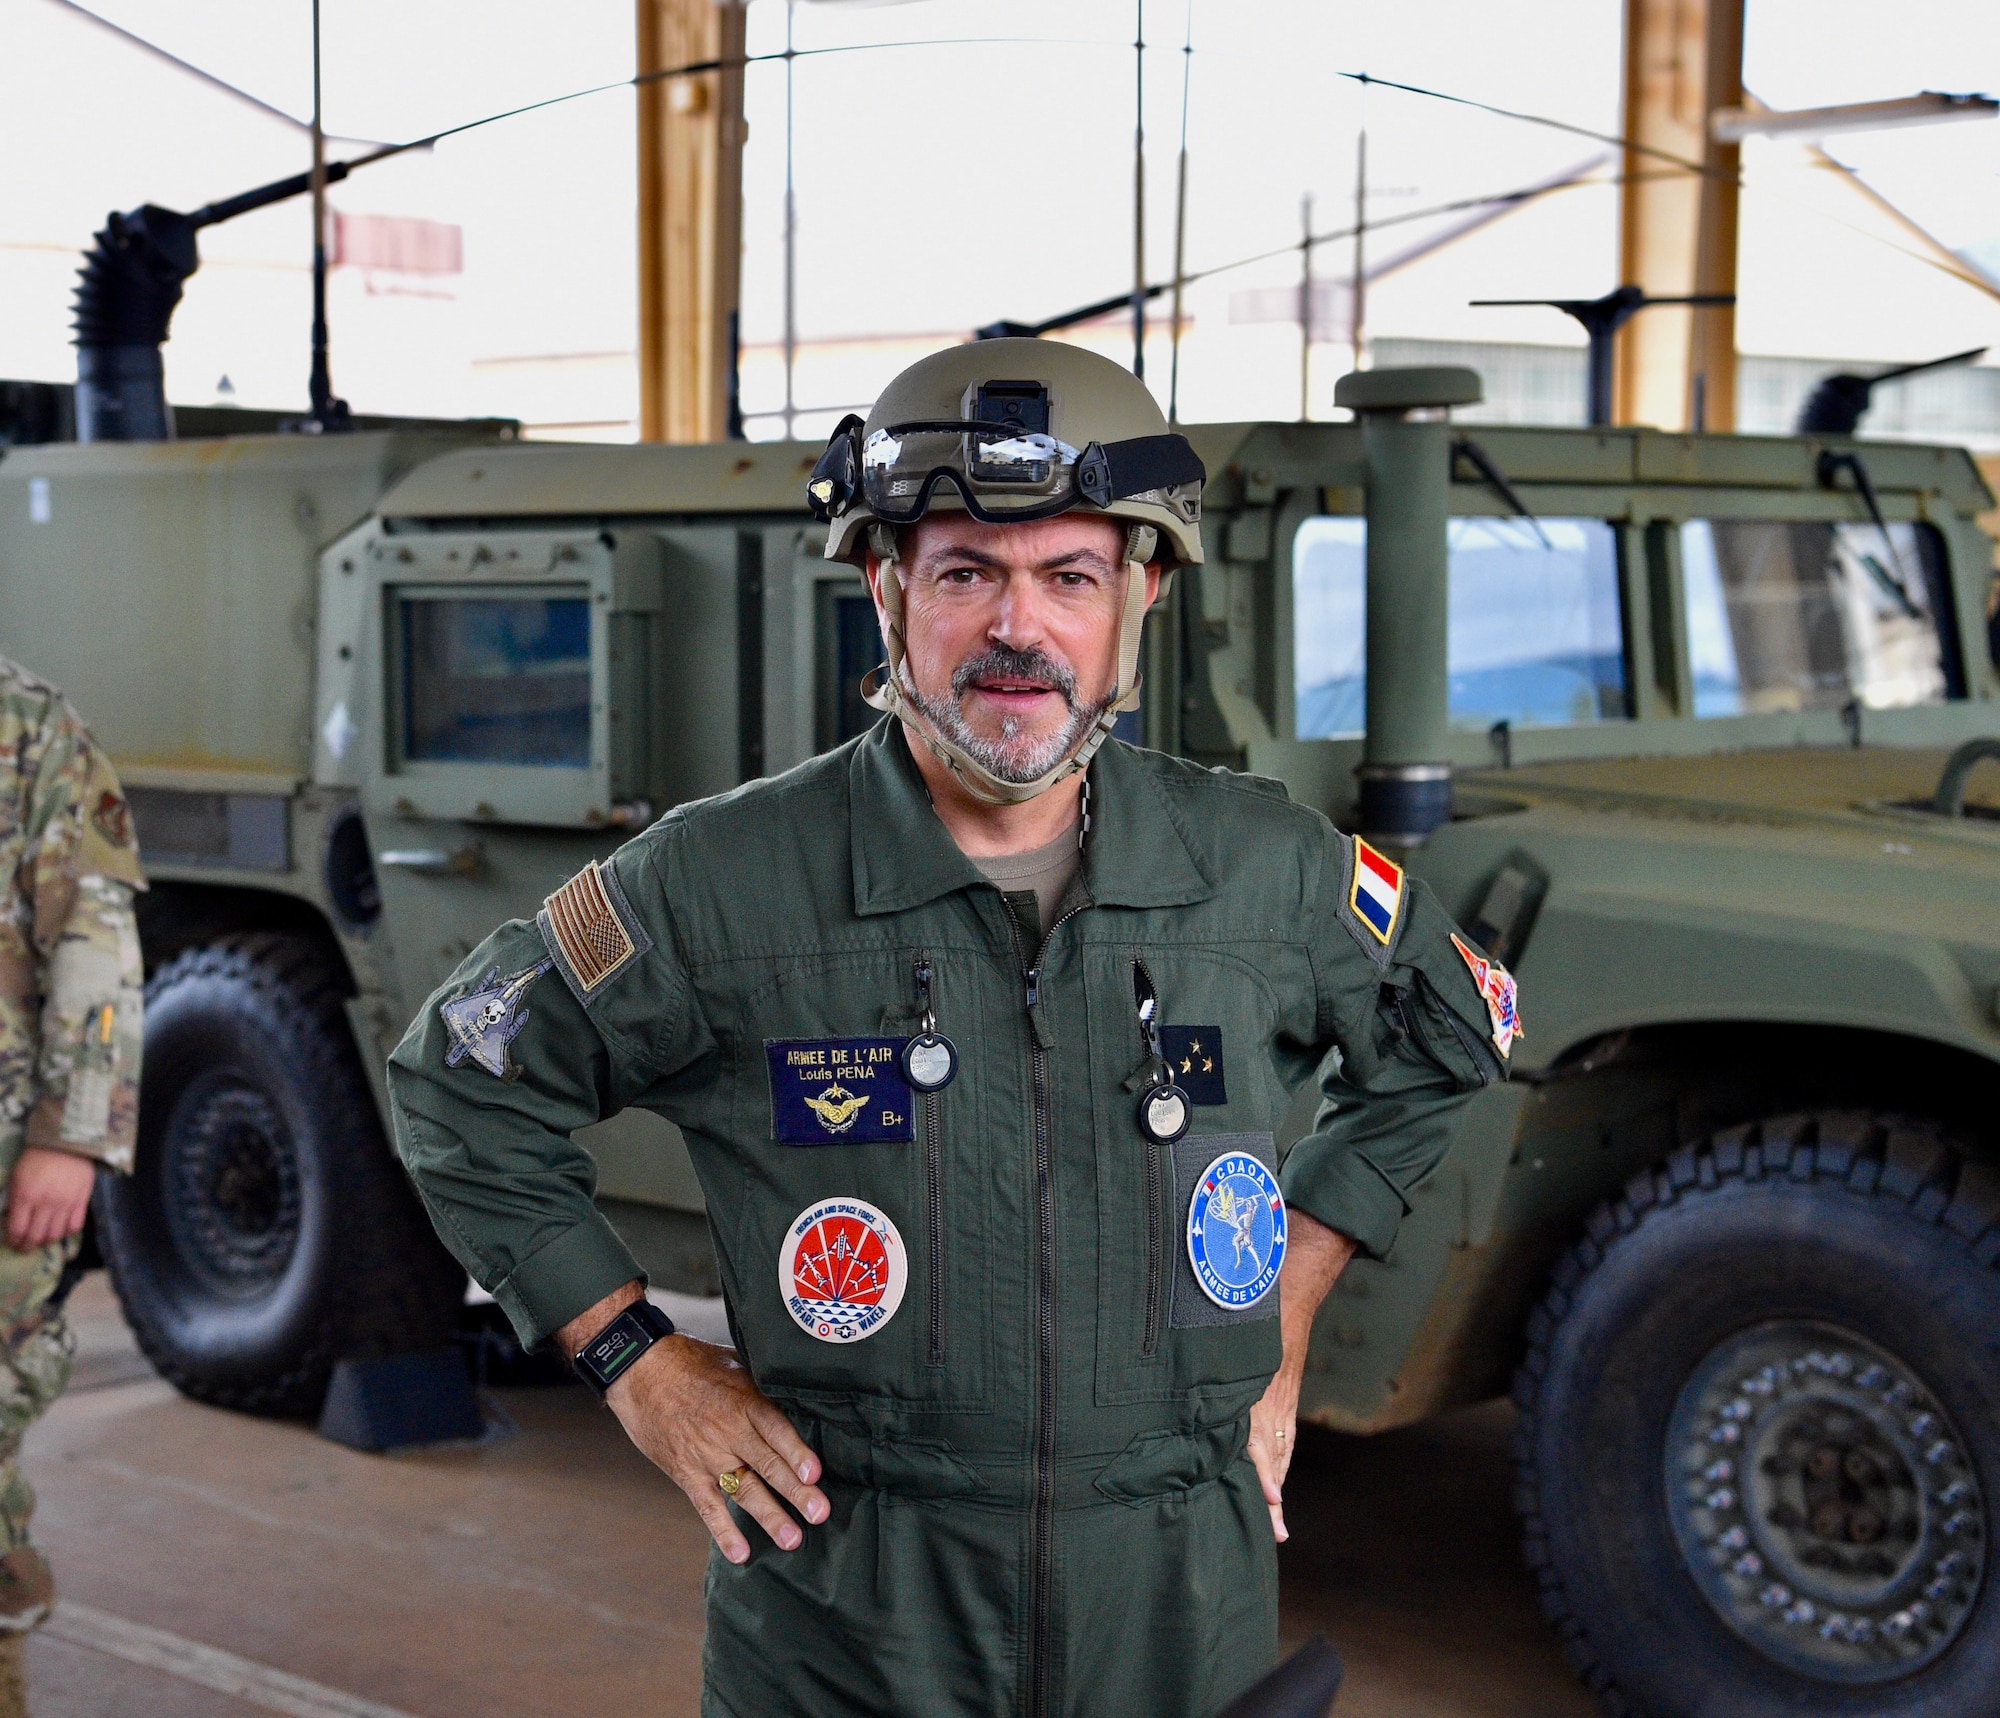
{"x": 1155, "y": 1220}
{"x": 934, "y": 1197}
{"x": 927, "y": 1105}
{"x": 1042, "y": 1466}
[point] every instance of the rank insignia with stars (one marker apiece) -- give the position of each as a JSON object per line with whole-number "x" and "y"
{"x": 1194, "y": 1053}
{"x": 482, "y": 1023}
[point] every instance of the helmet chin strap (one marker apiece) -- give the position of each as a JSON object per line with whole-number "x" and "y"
{"x": 887, "y": 693}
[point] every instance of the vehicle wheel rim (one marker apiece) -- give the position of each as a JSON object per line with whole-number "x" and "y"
{"x": 1824, "y": 1503}
{"x": 232, "y": 1188}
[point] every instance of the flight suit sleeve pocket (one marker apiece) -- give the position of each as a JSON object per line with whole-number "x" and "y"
{"x": 1243, "y": 1231}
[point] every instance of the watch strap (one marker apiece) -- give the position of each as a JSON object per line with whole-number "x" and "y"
{"x": 608, "y": 1355}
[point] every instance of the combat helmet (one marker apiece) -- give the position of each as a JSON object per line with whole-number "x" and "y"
{"x": 1010, "y": 431}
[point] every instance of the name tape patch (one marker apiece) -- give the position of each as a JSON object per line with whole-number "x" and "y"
{"x": 842, "y": 1270}
{"x": 1194, "y": 1053}
{"x": 590, "y": 929}
{"x": 1377, "y": 895}
{"x": 839, "y": 1091}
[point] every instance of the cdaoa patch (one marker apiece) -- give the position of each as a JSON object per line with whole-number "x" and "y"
{"x": 1497, "y": 989}
{"x": 842, "y": 1270}
{"x": 1236, "y": 1230}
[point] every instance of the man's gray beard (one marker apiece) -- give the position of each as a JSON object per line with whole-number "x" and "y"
{"x": 1011, "y": 757}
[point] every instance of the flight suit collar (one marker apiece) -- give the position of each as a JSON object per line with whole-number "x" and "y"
{"x": 1138, "y": 854}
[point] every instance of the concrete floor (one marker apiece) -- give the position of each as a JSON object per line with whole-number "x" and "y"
{"x": 217, "y": 1567}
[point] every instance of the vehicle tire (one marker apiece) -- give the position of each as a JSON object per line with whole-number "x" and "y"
{"x": 267, "y": 1230}
{"x": 1758, "y": 1449}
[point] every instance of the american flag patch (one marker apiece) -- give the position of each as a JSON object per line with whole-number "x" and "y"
{"x": 585, "y": 930}
{"x": 1377, "y": 895}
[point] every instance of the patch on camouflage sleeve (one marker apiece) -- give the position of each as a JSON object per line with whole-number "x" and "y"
{"x": 113, "y": 818}
{"x": 591, "y": 930}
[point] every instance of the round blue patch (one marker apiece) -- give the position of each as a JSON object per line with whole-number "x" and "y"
{"x": 1236, "y": 1230}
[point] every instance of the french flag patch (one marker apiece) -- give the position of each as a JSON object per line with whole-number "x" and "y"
{"x": 1377, "y": 895}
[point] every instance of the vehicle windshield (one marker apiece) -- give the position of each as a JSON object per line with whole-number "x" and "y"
{"x": 497, "y": 680}
{"x": 1785, "y": 617}
{"x": 1533, "y": 628}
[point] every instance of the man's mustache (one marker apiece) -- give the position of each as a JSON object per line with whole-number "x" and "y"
{"x": 1003, "y": 662}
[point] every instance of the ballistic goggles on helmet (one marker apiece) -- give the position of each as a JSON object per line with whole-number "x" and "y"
{"x": 1005, "y": 472}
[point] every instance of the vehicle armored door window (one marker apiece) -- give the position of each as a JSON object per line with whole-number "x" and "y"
{"x": 496, "y": 679}
{"x": 849, "y": 647}
{"x": 1535, "y": 636}
{"x": 1812, "y": 616}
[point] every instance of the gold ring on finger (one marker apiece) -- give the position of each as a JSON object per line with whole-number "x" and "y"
{"x": 731, "y": 1480}
{"x": 1281, "y": 1440}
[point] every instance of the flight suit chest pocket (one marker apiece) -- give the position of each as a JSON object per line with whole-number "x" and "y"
{"x": 858, "y": 1257}
{"x": 1171, "y": 1320}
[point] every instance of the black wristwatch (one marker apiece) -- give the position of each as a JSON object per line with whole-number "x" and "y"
{"x": 608, "y": 1355}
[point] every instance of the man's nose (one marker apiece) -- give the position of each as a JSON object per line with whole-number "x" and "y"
{"x": 1018, "y": 622}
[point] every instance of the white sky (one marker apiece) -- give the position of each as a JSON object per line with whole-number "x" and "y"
{"x": 939, "y": 187}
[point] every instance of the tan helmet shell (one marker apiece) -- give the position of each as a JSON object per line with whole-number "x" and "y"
{"x": 1090, "y": 399}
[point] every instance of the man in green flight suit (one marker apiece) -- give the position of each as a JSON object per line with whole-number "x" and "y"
{"x": 978, "y": 1029}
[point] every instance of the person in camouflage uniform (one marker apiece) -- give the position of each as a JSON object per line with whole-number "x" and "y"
{"x": 70, "y": 1004}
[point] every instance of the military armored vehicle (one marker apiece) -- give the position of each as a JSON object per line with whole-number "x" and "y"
{"x": 1688, "y": 730}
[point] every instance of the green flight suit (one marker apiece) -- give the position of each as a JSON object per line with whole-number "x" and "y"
{"x": 1040, "y": 1498}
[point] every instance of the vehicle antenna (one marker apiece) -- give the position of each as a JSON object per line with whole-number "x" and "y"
{"x": 1601, "y": 319}
{"x": 1180, "y": 227}
{"x": 1358, "y": 300}
{"x": 328, "y": 413}
{"x": 791, "y": 239}
{"x": 1305, "y": 305}
{"x": 1139, "y": 293}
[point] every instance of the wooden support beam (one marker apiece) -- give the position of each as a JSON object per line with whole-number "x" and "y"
{"x": 690, "y": 216}
{"x": 1677, "y": 235}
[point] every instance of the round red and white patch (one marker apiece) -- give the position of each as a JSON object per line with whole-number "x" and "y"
{"x": 842, "y": 1270}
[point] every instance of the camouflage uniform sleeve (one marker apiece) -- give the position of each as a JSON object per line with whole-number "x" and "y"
{"x": 1413, "y": 1029}
{"x": 80, "y": 869}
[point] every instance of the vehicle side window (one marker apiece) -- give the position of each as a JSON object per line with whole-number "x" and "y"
{"x": 1808, "y": 616}
{"x": 496, "y": 680}
{"x": 1534, "y": 632}
{"x": 850, "y": 647}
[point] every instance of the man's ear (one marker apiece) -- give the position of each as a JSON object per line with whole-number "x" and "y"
{"x": 1152, "y": 583}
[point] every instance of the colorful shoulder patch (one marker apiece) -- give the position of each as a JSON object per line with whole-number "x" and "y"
{"x": 1496, "y": 987}
{"x": 483, "y": 1022}
{"x": 591, "y": 930}
{"x": 1377, "y": 894}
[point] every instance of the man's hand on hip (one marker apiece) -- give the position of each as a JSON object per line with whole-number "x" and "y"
{"x": 48, "y": 1196}
{"x": 695, "y": 1414}
{"x": 1314, "y": 1256}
